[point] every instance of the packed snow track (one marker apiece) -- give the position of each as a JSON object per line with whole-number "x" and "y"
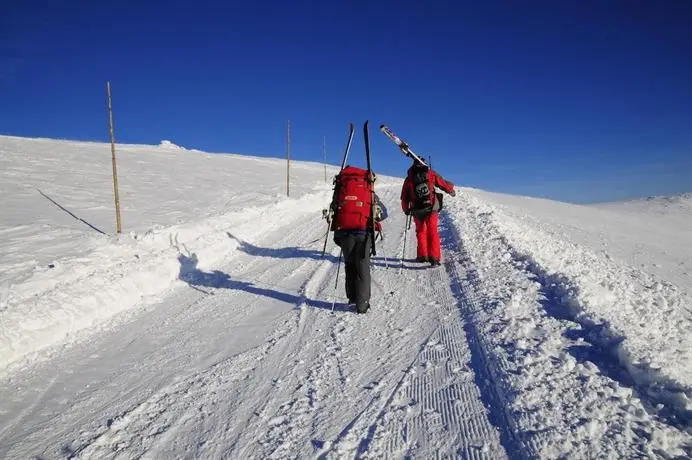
{"x": 249, "y": 361}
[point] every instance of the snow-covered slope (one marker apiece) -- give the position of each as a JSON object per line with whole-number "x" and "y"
{"x": 652, "y": 234}
{"x": 672, "y": 206}
{"x": 64, "y": 271}
{"x": 206, "y": 330}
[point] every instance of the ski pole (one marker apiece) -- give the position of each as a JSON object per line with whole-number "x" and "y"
{"x": 336, "y": 283}
{"x": 326, "y": 237}
{"x": 403, "y": 253}
{"x": 371, "y": 180}
{"x": 406, "y": 227}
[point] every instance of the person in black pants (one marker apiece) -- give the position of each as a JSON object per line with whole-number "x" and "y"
{"x": 355, "y": 246}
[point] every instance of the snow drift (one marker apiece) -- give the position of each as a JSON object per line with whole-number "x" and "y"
{"x": 166, "y": 144}
{"x": 592, "y": 290}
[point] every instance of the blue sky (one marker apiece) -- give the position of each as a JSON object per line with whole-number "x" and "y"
{"x": 573, "y": 100}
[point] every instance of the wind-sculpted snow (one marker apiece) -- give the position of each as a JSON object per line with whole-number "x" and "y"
{"x": 166, "y": 144}
{"x": 565, "y": 328}
{"x": 649, "y": 306}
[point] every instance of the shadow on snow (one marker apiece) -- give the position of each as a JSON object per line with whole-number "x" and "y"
{"x": 294, "y": 252}
{"x": 198, "y": 280}
{"x": 73, "y": 215}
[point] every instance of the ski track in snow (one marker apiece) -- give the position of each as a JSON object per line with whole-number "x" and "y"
{"x": 429, "y": 372}
{"x": 165, "y": 331}
{"x": 436, "y": 409}
{"x": 173, "y": 383}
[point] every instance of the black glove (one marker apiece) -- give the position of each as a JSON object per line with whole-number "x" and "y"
{"x": 453, "y": 193}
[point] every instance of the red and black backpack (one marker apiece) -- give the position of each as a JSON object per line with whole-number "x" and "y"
{"x": 424, "y": 197}
{"x": 422, "y": 193}
{"x": 353, "y": 192}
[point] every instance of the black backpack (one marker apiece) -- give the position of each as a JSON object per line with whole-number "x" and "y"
{"x": 421, "y": 189}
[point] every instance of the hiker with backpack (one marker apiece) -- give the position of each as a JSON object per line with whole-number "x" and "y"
{"x": 420, "y": 200}
{"x": 352, "y": 213}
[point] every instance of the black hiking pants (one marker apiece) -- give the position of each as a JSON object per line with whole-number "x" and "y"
{"x": 356, "y": 252}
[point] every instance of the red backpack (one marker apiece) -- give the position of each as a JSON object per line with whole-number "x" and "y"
{"x": 353, "y": 199}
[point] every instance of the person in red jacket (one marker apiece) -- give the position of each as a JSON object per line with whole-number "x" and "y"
{"x": 420, "y": 200}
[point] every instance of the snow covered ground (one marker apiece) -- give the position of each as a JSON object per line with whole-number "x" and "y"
{"x": 585, "y": 314}
{"x": 63, "y": 271}
{"x": 206, "y": 330}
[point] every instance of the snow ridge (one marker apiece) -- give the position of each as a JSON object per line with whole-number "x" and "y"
{"x": 140, "y": 267}
{"x": 554, "y": 364}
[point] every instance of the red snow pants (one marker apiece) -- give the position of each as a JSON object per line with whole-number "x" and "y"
{"x": 427, "y": 236}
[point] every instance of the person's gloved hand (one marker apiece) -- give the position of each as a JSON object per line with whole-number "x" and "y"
{"x": 453, "y": 193}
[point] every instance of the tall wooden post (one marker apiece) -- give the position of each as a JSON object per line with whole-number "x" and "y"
{"x": 324, "y": 154}
{"x": 118, "y": 221}
{"x": 288, "y": 158}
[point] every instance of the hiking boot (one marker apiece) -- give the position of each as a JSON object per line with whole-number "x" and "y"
{"x": 434, "y": 262}
{"x": 363, "y": 309}
{"x": 421, "y": 259}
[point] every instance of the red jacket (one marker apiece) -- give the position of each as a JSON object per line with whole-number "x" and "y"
{"x": 434, "y": 180}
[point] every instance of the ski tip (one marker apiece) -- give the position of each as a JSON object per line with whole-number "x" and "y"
{"x": 383, "y": 127}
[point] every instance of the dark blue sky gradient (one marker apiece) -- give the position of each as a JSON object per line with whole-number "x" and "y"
{"x": 573, "y": 100}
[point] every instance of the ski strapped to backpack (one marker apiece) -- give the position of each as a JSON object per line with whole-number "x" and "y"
{"x": 371, "y": 178}
{"x": 328, "y": 214}
{"x": 403, "y": 146}
{"x": 353, "y": 205}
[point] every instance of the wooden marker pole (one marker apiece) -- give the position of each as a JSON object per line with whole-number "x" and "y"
{"x": 118, "y": 221}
